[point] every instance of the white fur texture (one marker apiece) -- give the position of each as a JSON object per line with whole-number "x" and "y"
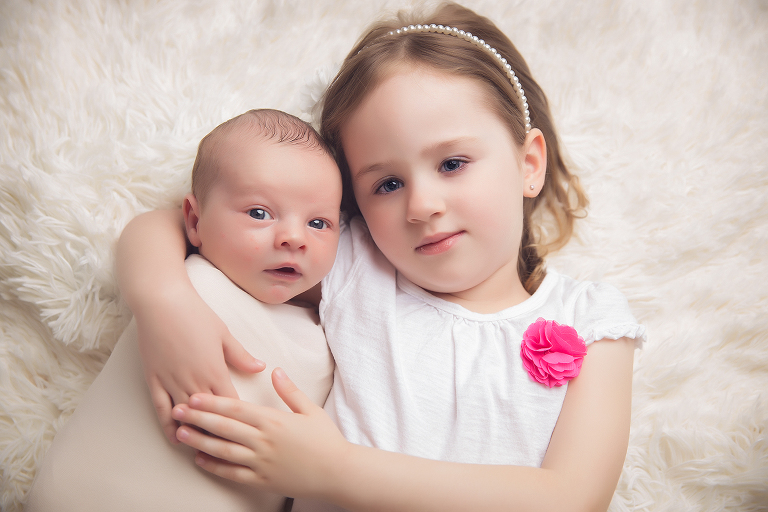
{"x": 662, "y": 107}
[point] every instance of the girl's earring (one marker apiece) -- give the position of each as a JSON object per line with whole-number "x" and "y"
{"x": 532, "y": 187}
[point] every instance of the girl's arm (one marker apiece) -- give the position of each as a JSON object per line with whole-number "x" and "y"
{"x": 184, "y": 345}
{"x": 303, "y": 454}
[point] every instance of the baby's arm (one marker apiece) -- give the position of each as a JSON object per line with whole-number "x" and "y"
{"x": 184, "y": 346}
{"x": 303, "y": 454}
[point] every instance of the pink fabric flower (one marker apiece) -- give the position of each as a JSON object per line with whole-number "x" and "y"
{"x": 552, "y": 353}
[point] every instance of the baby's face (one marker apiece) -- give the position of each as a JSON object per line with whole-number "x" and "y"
{"x": 271, "y": 222}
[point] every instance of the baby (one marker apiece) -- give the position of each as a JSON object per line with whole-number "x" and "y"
{"x": 264, "y": 217}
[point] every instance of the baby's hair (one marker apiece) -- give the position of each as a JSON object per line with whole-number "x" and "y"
{"x": 262, "y": 124}
{"x": 377, "y": 53}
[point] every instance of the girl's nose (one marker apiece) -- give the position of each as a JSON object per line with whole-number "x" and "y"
{"x": 424, "y": 201}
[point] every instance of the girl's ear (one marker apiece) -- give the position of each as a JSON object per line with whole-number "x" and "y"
{"x": 191, "y": 209}
{"x": 534, "y": 163}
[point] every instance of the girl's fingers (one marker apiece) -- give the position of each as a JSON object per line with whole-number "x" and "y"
{"x": 236, "y": 355}
{"x": 293, "y": 397}
{"x": 214, "y": 446}
{"x": 245, "y": 412}
{"x": 216, "y": 424}
{"x": 163, "y": 405}
{"x": 235, "y": 420}
{"x": 223, "y": 388}
{"x": 235, "y": 472}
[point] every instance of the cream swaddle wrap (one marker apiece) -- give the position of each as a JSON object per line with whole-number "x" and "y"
{"x": 112, "y": 454}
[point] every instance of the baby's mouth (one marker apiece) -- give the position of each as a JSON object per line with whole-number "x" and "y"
{"x": 288, "y": 273}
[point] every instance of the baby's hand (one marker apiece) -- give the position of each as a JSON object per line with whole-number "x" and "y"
{"x": 185, "y": 349}
{"x": 294, "y": 454}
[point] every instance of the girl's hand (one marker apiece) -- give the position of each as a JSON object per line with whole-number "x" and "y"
{"x": 294, "y": 454}
{"x": 185, "y": 348}
{"x": 184, "y": 345}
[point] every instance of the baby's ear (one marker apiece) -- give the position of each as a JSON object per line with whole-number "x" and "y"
{"x": 191, "y": 210}
{"x": 534, "y": 163}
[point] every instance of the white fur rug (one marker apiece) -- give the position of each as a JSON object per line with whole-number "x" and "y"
{"x": 662, "y": 106}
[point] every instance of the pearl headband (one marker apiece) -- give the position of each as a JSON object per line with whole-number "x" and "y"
{"x": 467, "y": 36}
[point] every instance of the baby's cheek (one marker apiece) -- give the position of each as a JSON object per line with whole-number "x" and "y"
{"x": 251, "y": 252}
{"x": 255, "y": 245}
{"x": 322, "y": 259}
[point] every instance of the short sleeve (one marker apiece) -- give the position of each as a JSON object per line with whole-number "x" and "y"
{"x": 356, "y": 249}
{"x": 602, "y": 312}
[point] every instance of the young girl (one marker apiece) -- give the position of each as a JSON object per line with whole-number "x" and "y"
{"x": 463, "y": 379}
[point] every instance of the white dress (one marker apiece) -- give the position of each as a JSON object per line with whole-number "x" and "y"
{"x": 418, "y": 375}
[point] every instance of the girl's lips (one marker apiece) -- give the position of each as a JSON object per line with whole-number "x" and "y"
{"x": 284, "y": 273}
{"x": 439, "y": 243}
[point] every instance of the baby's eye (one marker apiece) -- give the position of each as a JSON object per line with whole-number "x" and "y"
{"x": 452, "y": 165}
{"x": 388, "y": 186}
{"x": 318, "y": 224}
{"x": 259, "y": 214}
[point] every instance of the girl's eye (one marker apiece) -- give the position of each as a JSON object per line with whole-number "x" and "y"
{"x": 318, "y": 224}
{"x": 389, "y": 186}
{"x": 452, "y": 165}
{"x": 259, "y": 214}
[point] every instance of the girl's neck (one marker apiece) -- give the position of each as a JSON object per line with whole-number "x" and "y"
{"x": 488, "y": 297}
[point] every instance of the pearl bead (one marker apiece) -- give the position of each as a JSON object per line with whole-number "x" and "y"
{"x": 468, "y": 36}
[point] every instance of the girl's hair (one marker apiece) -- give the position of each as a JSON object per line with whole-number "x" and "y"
{"x": 561, "y": 200}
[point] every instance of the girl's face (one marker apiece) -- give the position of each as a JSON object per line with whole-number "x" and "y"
{"x": 440, "y": 184}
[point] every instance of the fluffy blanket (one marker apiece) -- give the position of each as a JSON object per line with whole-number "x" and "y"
{"x": 662, "y": 107}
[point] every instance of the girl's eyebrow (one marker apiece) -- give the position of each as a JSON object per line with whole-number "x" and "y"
{"x": 438, "y": 147}
{"x": 447, "y": 145}
{"x": 371, "y": 168}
